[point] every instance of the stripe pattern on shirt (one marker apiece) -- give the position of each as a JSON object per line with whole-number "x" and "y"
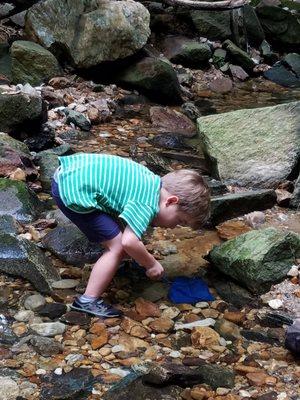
{"x": 115, "y": 185}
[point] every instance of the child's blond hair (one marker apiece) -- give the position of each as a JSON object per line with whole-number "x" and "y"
{"x": 193, "y": 193}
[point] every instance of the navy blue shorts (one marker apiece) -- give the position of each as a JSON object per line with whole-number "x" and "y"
{"x": 97, "y": 226}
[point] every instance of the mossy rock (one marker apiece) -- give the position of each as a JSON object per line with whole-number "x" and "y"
{"x": 18, "y": 200}
{"x": 257, "y": 259}
{"x": 31, "y": 63}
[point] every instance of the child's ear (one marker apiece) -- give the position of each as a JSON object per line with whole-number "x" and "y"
{"x": 172, "y": 200}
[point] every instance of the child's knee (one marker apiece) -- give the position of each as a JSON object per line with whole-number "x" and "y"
{"x": 115, "y": 246}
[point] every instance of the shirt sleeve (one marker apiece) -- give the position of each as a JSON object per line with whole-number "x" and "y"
{"x": 138, "y": 216}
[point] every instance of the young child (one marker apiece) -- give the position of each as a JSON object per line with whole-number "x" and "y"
{"x": 95, "y": 191}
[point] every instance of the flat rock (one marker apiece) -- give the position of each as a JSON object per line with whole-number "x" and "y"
{"x": 46, "y": 346}
{"x": 49, "y": 328}
{"x": 169, "y": 120}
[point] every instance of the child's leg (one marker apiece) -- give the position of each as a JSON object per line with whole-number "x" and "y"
{"x": 106, "y": 267}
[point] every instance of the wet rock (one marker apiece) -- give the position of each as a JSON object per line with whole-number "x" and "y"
{"x": 87, "y": 19}
{"x": 49, "y": 328}
{"x": 214, "y": 25}
{"x": 234, "y": 154}
{"x": 238, "y": 72}
{"x": 230, "y": 205}
{"x": 282, "y": 75}
{"x": 31, "y": 63}
{"x": 292, "y": 60}
{"x": 155, "y": 291}
{"x": 45, "y": 346}
{"x": 269, "y": 56}
{"x": 20, "y": 111}
{"x": 76, "y": 318}
{"x": 258, "y": 336}
{"x": 14, "y": 154}
{"x": 35, "y": 301}
{"x": 171, "y": 141}
{"x": 22, "y": 258}
{"x": 233, "y": 293}
{"x": 169, "y": 120}
{"x": 72, "y": 385}
{"x": 18, "y": 201}
{"x": 239, "y": 56}
{"x": 187, "y": 52}
{"x": 9, "y": 389}
{"x": 136, "y": 390}
{"x": 162, "y": 325}
{"x": 65, "y": 284}
{"x": 24, "y": 315}
{"x": 70, "y": 245}
{"x": 77, "y": 118}
{"x": 255, "y": 33}
{"x": 280, "y": 25}
{"x": 230, "y": 229}
{"x": 167, "y": 374}
{"x": 221, "y": 84}
{"x": 52, "y": 310}
{"x": 191, "y": 111}
{"x": 43, "y": 140}
{"x": 275, "y": 252}
{"x": 153, "y": 77}
{"x": 146, "y": 308}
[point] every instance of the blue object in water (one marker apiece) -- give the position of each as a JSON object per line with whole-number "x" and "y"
{"x": 189, "y": 290}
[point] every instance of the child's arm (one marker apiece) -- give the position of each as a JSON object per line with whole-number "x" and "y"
{"x": 136, "y": 249}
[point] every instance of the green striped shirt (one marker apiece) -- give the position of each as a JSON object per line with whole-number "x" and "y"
{"x": 117, "y": 186}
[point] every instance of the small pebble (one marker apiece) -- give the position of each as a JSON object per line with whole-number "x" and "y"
{"x": 275, "y": 303}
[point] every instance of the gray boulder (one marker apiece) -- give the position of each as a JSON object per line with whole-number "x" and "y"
{"x": 88, "y": 32}
{"x": 153, "y": 77}
{"x": 257, "y": 259}
{"x": 20, "y": 110}
{"x": 19, "y": 201}
{"x": 214, "y": 25}
{"x": 257, "y": 147}
{"x": 20, "y": 257}
{"x": 255, "y": 33}
{"x": 238, "y": 55}
{"x": 5, "y": 61}
{"x": 31, "y": 63}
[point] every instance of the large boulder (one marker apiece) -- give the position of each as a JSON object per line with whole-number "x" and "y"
{"x": 153, "y": 77}
{"x": 295, "y": 200}
{"x": 238, "y": 55}
{"x": 20, "y": 110}
{"x": 257, "y": 147}
{"x": 19, "y": 201}
{"x": 214, "y": 25}
{"x": 257, "y": 259}
{"x": 20, "y": 257}
{"x": 87, "y": 32}
{"x": 255, "y": 33}
{"x": 31, "y": 63}
{"x": 279, "y": 24}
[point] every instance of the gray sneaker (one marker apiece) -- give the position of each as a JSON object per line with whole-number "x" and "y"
{"x": 98, "y": 308}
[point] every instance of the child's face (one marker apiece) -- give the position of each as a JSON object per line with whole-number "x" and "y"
{"x": 169, "y": 214}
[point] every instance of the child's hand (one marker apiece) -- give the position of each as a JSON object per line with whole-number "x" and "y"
{"x": 156, "y": 271}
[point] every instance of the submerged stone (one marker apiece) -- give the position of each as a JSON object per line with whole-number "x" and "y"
{"x": 257, "y": 259}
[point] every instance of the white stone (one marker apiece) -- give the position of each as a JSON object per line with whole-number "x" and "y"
{"x": 222, "y": 391}
{"x": 117, "y": 348}
{"x": 191, "y": 325}
{"x": 35, "y": 301}
{"x": 73, "y": 358}
{"x": 49, "y": 329}
{"x": 9, "y": 390}
{"x": 40, "y": 371}
{"x": 120, "y": 372}
{"x": 170, "y": 312}
{"x": 294, "y": 271}
{"x": 58, "y": 371}
{"x": 202, "y": 304}
{"x": 175, "y": 354}
{"x": 282, "y": 396}
{"x": 24, "y": 315}
{"x": 244, "y": 393}
{"x": 275, "y": 303}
